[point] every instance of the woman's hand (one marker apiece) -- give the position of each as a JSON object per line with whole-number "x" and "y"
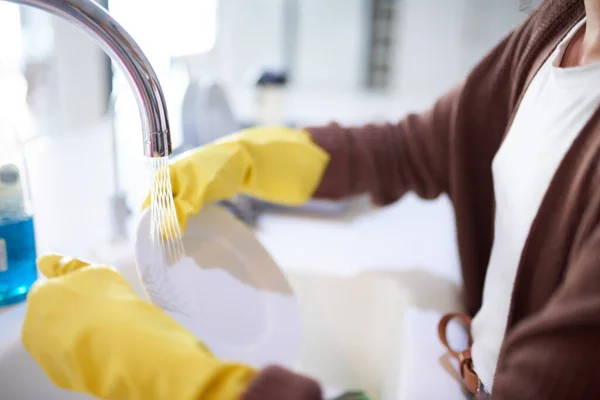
{"x": 280, "y": 165}
{"x": 91, "y": 333}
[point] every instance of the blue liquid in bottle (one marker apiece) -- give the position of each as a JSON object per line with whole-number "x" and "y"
{"x": 18, "y": 269}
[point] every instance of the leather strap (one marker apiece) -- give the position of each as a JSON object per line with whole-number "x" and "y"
{"x": 470, "y": 378}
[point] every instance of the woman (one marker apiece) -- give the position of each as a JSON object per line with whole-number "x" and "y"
{"x": 516, "y": 147}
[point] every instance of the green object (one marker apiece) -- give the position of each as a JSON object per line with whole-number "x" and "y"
{"x": 352, "y": 396}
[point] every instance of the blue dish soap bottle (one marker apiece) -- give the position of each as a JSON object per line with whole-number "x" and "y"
{"x": 18, "y": 270}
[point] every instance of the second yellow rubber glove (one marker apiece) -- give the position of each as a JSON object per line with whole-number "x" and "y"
{"x": 91, "y": 333}
{"x": 280, "y": 165}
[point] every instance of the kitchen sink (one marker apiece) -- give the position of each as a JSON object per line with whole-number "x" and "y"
{"x": 353, "y": 332}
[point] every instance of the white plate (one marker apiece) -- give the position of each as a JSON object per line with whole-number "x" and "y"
{"x": 228, "y": 291}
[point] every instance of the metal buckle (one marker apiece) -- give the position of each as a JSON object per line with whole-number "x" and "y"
{"x": 481, "y": 388}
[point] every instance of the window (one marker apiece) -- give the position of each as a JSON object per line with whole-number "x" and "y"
{"x": 168, "y": 29}
{"x": 10, "y": 31}
{"x": 383, "y": 19}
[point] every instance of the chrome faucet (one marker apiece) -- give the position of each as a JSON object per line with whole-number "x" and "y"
{"x": 116, "y": 42}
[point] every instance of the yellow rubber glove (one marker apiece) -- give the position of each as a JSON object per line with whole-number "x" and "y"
{"x": 91, "y": 333}
{"x": 276, "y": 164}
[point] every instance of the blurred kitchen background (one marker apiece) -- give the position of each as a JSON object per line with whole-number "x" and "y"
{"x": 352, "y": 61}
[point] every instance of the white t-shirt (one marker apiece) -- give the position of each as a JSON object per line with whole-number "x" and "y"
{"x": 555, "y": 108}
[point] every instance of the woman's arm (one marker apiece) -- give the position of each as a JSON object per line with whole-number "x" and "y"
{"x": 388, "y": 160}
{"x": 428, "y": 152}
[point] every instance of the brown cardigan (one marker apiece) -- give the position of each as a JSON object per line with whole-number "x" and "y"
{"x": 552, "y": 345}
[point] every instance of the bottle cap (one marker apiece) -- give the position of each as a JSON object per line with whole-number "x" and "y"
{"x": 9, "y": 174}
{"x": 11, "y": 194}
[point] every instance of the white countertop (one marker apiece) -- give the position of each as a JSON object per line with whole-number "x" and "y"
{"x": 409, "y": 234}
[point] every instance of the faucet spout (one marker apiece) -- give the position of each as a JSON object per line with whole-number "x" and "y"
{"x": 116, "y": 42}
